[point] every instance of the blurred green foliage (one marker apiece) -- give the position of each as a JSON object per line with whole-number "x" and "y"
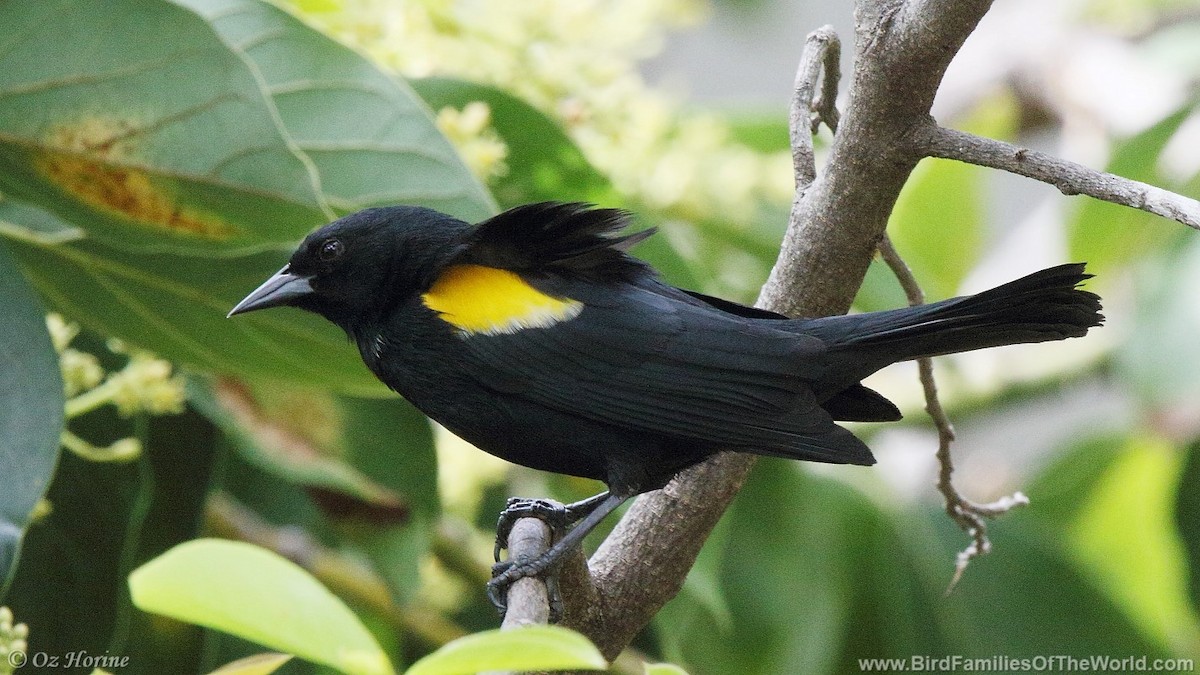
{"x": 155, "y": 171}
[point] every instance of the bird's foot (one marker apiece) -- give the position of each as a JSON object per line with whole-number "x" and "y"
{"x": 555, "y": 515}
{"x": 507, "y": 573}
{"x": 558, "y": 517}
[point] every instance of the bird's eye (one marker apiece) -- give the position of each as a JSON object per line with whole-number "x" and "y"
{"x": 331, "y": 249}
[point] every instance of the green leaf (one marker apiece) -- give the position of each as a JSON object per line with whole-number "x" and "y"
{"x": 1125, "y": 535}
{"x": 255, "y": 594}
{"x": 268, "y": 438}
{"x": 370, "y": 464}
{"x": 31, "y": 410}
{"x": 1105, "y": 234}
{"x": 521, "y": 649}
{"x": 1027, "y": 598}
{"x": 26, "y": 222}
{"x": 664, "y": 669}
{"x": 938, "y": 223}
{"x": 133, "y": 120}
{"x": 259, "y": 664}
{"x": 1164, "y": 327}
{"x": 390, "y": 441}
{"x": 543, "y": 162}
{"x": 1187, "y": 519}
{"x": 176, "y": 306}
{"x": 371, "y": 139}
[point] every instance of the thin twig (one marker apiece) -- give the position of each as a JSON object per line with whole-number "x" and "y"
{"x": 824, "y": 106}
{"x": 968, "y": 514}
{"x": 822, "y": 51}
{"x": 1070, "y": 178}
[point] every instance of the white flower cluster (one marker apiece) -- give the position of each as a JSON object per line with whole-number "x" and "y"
{"x": 13, "y": 637}
{"x": 471, "y": 133}
{"x": 145, "y": 384}
{"x": 577, "y": 62}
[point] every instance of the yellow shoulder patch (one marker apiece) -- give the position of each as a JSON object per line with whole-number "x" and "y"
{"x": 491, "y": 301}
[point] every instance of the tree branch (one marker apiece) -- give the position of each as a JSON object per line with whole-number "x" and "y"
{"x": 901, "y": 53}
{"x": 1070, "y": 178}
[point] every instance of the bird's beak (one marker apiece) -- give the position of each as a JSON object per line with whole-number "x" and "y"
{"x": 278, "y": 290}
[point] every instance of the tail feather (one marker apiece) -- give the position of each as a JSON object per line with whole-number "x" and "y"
{"x": 1044, "y": 306}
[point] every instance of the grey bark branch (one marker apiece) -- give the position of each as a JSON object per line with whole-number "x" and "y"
{"x": 1070, "y": 178}
{"x": 902, "y": 50}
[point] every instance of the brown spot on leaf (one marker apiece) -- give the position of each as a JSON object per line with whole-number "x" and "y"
{"x": 93, "y": 160}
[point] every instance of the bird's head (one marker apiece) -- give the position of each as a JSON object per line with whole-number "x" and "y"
{"x": 359, "y": 265}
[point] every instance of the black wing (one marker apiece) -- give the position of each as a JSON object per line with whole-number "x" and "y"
{"x": 639, "y": 359}
{"x": 567, "y": 239}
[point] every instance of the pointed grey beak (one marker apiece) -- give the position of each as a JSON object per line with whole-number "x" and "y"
{"x": 278, "y": 290}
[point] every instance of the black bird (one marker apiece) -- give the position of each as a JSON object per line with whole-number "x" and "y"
{"x": 535, "y": 336}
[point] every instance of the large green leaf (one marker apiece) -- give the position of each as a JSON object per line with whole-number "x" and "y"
{"x": 938, "y": 223}
{"x": 256, "y": 594}
{"x": 524, "y": 649}
{"x": 1027, "y": 598}
{"x": 368, "y": 463}
{"x": 370, "y": 138}
{"x": 176, "y": 305}
{"x": 1125, "y": 535}
{"x": 27, "y": 222}
{"x": 31, "y": 409}
{"x": 132, "y": 119}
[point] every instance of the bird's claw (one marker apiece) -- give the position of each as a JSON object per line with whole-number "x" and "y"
{"x": 554, "y": 514}
{"x": 505, "y": 574}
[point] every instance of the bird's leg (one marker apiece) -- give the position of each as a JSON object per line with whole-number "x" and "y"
{"x": 588, "y": 513}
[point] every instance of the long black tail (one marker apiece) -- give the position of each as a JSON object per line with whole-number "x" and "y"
{"x": 1043, "y": 306}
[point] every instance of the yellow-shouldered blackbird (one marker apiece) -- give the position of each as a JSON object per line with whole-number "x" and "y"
{"x": 535, "y": 336}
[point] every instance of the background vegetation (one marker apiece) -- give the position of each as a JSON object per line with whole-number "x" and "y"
{"x": 159, "y": 158}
